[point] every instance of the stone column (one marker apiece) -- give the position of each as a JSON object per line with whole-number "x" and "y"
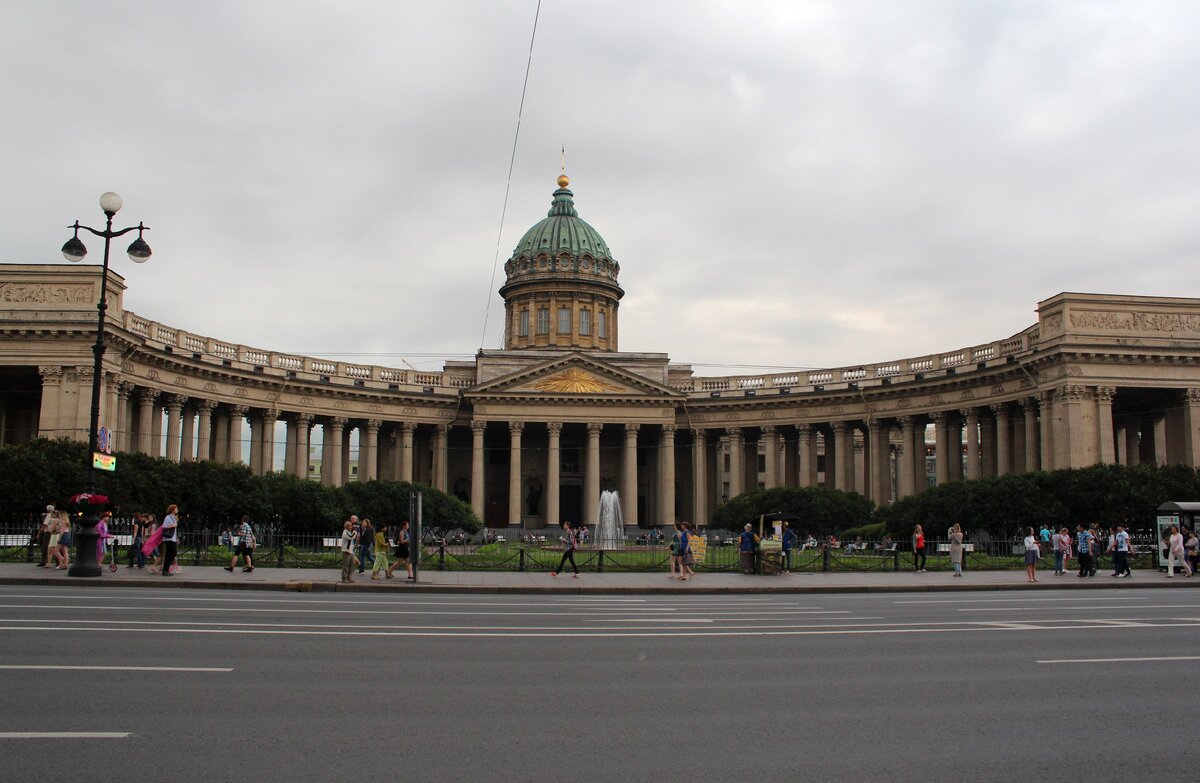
{"x": 514, "y": 471}
{"x": 1160, "y": 439}
{"x": 591, "y": 475}
{"x": 699, "y": 476}
{"x": 920, "y": 457}
{"x": 237, "y": 415}
{"x": 971, "y": 422}
{"x": 124, "y": 441}
{"x": 145, "y": 402}
{"x": 175, "y": 403}
{"x": 477, "y": 467}
{"x": 1133, "y": 442}
{"x": 629, "y": 483}
{"x": 770, "y": 439}
{"x": 52, "y": 392}
{"x": 1104, "y": 420}
{"x": 187, "y": 438}
{"x": 1032, "y": 450}
{"x": 289, "y": 448}
{"x": 406, "y": 451}
{"x": 1003, "y": 439}
{"x": 881, "y": 462}
{"x": 843, "y": 456}
{"x": 267, "y": 456}
{"x": 666, "y": 479}
{"x": 954, "y": 433}
{"x": 737, "y": 452}
{"x": 553, "y": 468}
{"x": 204, "y": 411}
{"x": 806, "y": 455}
{"x": 258, "y": 431}
{"x": 1045, "y": 431}
{"x": 83, "y": 397}
{"x": 1191, "y": 427}
{"x": 441, "y": 458}
{"x": 861, "y": 465}
{"x": 905, "y": 463}
{"x": 300, "y": 439}
{"x": 371, "y": 447}
{"x": 331, "y": 452}
{"x": 1074, "y": 427}
{"x": 941, "y": 430}
{"x": 987, "y": 446}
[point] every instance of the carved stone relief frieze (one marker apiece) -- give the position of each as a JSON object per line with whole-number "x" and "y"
{"x": 52, "y": 294}
{"x": 211, "y": 387}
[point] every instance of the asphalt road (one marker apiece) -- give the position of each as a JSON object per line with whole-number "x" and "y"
{"x": 237, "y": 686}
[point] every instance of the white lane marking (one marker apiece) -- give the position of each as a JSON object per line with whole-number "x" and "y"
{"x": 1125, "y": 660}
{"x": 64, "y": 734}
{"x": 116, "y": 624}
{"x": 116, "y": 668}
{"x": 1151, "y": 608}
{"x": 827, "y": 630}
{"x": 1019, "y": 600}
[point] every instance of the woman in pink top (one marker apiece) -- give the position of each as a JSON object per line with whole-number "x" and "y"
{"x": 1175, "y": 552}
{"x": 102, "y": 536}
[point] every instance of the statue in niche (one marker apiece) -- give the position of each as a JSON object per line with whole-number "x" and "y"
{"x": 533, "y": 499}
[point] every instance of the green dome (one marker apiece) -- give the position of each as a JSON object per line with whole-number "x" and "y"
{"x": 562, "y": 230}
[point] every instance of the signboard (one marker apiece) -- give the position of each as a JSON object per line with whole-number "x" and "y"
{"x": 103, "y": 461}
{"x": 699, "y": 546}
{"x": 104, "y": 440}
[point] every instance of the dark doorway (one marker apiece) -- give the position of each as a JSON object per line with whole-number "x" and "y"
{"x": 570, "y": 503}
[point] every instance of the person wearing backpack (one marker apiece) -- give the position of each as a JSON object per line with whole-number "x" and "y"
{"x": 245, "y": 546}
{"x": 1084, "y": 544}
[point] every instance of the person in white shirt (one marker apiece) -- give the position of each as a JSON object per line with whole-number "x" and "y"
{"x": 1033, "y": 553}
{"x": 349, "y": 537}
{"x": 1120, "y": 551}
{"x": 170, "y": 538}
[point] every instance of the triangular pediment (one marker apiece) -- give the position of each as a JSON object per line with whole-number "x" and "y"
{"x": 573, "y": 376}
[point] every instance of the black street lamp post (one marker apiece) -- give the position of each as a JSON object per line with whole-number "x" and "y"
{"x": 84, "y": 562}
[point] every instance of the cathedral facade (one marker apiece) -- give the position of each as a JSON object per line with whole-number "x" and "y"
{"x": 531, "y": 434}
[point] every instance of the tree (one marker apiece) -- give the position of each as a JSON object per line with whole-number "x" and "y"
{"x": 819, "y": 509}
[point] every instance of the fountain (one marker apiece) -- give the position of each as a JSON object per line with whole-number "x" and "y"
{"x": 610, "y": 530}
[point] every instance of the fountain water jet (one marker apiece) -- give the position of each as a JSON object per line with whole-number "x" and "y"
{"x": 610, "y": 530}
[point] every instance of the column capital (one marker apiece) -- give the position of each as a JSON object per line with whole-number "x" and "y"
{"x": 516, "y": 427}
{"x": 839, "y": 427}
{"x": 969, "y": 414}
{"x": 734, "y": 433}
{"x": 84, "y": 373}
{"x": 408, "y": 427}
{"x": 1192, "y": 395}
{"x": 939, "y": 417}
{"x": 554, "y": 427}
{"x": 125, "y": 389}
{"x": 1072, "y": 393}
{"x": 700, "y": 434}
{"x": 205, "y": 406}
{"x": 1046, "y": 397}
{"x": 50, "y": 372}
{"x": 241, "y": 410}
{"x": 338, "y": 422}
{"x": 478, "y": 425}
{"x": 669, "y": 430}
{"x": 1027, "y": 402}
{"x": 176, "y": 402}
{"x": 1105, "y": 393}
{"x": 767, "y": 431}
{"x": 442, "y": 429}
{"x": 875, "y": 426}
{"x": 906, "y": 422}
{"x": 304, "y": 418}
{"x": 803, "y": 429}
{"x": 594, "y": 429}
{"x": 631, "y": 429}
{"x": 373, "y": 425}
{"x": 148, "y": 395}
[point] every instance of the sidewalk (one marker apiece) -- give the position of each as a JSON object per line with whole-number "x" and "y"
{"x": 328, "y": 580}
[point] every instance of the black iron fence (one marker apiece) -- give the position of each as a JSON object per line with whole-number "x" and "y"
{"x": 279, "y": 548}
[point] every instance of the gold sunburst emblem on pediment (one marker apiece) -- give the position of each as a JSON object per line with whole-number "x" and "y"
{"x": 575, "y": 381}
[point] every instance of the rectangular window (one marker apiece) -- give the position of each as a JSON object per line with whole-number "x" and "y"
{"x": 523, "y": 329}
{"x": 601, "y": 325}
{"x": 543, "y": 323}
{"x": 762, "y": 463}
{"x": 585, "y": 321}
{"x": 564, "y": 320}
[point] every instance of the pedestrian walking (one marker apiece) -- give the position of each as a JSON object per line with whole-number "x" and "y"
{"x": 687, "y": 558}
{"x": 347, "y": 542}
{"x": 43, "y": 537}
{"x": 366, "y": 542}
{"x": 747, "y": 546}
{"x": 1192, "y": 548}
{"x": 246, "y": 542}
{"x": 61, "y": 537}
{"x": 1062, "y": 558}
{"x": 956, "y": 548}
{"x": 789, "y": 543}
{"x": 1176, "y": 551}
{"x": 381, "y": 547}
{"x": 170, "y": 538}
{"x": 676, "y": 557}
{"x": 1121, "y": 548}
{"x": 102, "y": 536}
{"x": 403, "y": 552}
{"x": 918, "y": 548}
{"x": 1085, "y": 544}
{"x": 568, "y": 541}
{"x": 136, "y": 556}
{"x": 1033, "y": 553}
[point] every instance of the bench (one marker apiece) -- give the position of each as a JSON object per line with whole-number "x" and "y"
{"x": 966, "y": 548}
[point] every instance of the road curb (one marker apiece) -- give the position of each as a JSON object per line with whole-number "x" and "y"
{"x": 584, "y": 589}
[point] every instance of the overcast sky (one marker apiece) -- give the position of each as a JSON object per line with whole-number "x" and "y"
{"x": 798, "y": 184}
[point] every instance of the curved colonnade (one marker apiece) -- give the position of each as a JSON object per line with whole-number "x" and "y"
{"x": 533, "y": 436}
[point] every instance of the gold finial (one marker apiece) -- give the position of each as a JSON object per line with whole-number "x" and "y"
{"x": 563, "y": 181}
